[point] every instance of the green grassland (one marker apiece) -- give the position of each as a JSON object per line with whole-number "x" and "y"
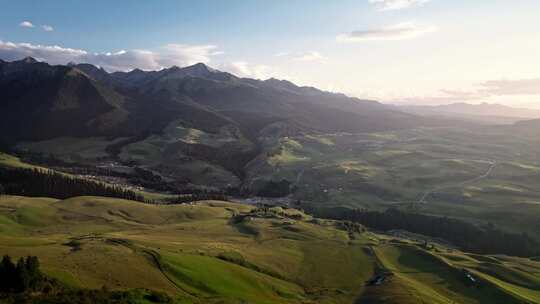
{"x": 199, "y": 254}
{"x": 438, "y": 171}
{"x": 477, "y": 174}
{"x": 435, "y": 170}
{"x": 166, "y": 153}
{"x": 91, "y": 242}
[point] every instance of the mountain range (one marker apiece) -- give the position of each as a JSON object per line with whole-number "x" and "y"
{"x": 42, "y": 100}
{"x": 192, "y": 125}
{"x": 484, "y": 113}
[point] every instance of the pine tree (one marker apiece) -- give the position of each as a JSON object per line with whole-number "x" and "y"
{"x": 7, "y": 273}
{"x": 22, "y": 278}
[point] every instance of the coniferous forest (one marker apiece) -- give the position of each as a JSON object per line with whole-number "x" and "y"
{"x": 39, "y": 182}
{"x": 21, "y": 276}
{"x": 468, "y": 237}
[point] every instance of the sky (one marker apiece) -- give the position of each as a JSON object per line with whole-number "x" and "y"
{"x": 395, "y": 51}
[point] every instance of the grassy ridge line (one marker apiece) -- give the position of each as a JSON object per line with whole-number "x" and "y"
{"x": 504, "y": 287}
{"x": 10, "y": 161}
{"x": 210, "y": 278}
{"x": 423, "y": 293}
{"x": 523, "y": 294}
{"x": 154, "y": 257}
{"x": 517, "y": 292}
{"x": 431, "y": 275}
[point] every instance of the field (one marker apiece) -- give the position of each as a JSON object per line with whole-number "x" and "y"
{"x": 481, "y": 175}
{"x": 199, "y": 254}
{"x": 91, "y": 242}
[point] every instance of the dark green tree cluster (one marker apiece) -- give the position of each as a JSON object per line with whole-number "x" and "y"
{"x": 467, "y": 236}
{"x": 199, "y": 196}
{"x": 96, "y": 296}
{"x": 38, "y": 182}
{"x": 23, "y": 282}
{"x": 140, "y": 176}
{"x": 20, "y": 277}
{"x": 276, "y": 189}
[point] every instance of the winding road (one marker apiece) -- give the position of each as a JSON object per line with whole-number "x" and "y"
{"x": 426, "y": 194}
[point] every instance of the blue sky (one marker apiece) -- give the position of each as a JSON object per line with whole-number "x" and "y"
{"x": 399, "y": 51}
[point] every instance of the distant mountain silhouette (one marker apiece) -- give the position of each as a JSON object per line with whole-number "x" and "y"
{"x": 480, "y": 112}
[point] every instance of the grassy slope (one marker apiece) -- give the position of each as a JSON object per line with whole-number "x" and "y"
{"x": 186, "y": 241}
{"x": 428, "y": 277}
{"x": 166, "y": 153}
{"x": 163, "y": 153}
{"x": 516, "y": 276}
{"x": 126, "y": 244}
{"x": 10, "y": 161}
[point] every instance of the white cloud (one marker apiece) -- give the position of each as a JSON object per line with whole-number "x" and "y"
{"x": 387, "y": 5}
{"x": 166, "y": 56}
{"x": 301, "y": 56}
{"x": 125, "y": 60}
{"x": 281, "y": 54}
{"x": 27, "y": 24}
{"x": 183, "y": 54}
{"x": 401, "y": 31}
{"x": 253, "y": 70}
{"x": 50, "y": 53}
{"x": 512, "y": 87}
{"x": 310, "y": 56}
{"x": 245, "y": 69}
{"x": 47, "y": 28}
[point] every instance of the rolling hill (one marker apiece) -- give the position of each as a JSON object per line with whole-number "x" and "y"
{"x": 222, "y": 252}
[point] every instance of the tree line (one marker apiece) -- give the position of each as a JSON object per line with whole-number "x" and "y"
{"x": 20, "y": 277}
{"x": 41, "y": 182}
{"x": 469, "y": 237}
{"x": 276, "y": 189}
{"x": 23, "y": 282}
{"x": 198, "y": 196}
